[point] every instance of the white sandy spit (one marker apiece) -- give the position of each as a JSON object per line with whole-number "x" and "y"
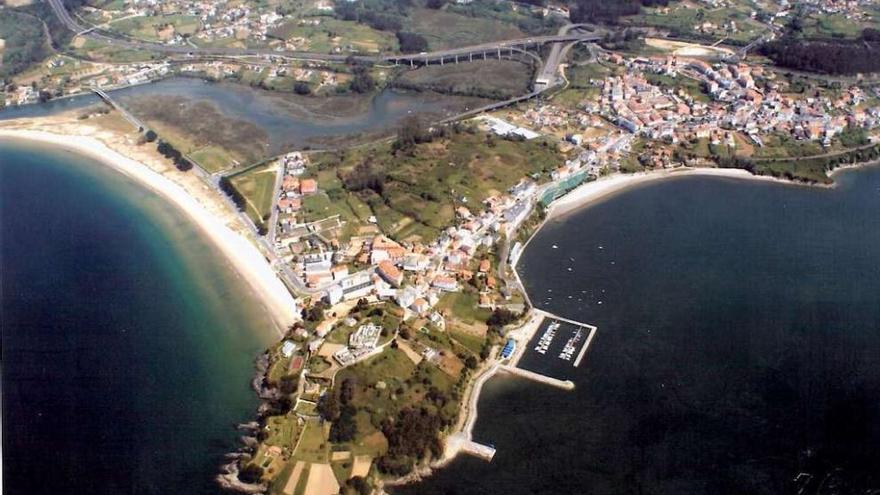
{"x": 243, "y": 255}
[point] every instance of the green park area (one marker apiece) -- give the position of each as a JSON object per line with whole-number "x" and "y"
{"x": 257, "y": 185}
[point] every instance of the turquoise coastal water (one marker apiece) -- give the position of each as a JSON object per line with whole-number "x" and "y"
{"x": 127, "y": 341}
{"x": 738, "y": 348}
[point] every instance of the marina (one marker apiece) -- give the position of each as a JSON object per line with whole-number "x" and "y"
{"x": 561, "y": 338}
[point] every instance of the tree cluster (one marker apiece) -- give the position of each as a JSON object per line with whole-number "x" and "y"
{"x": 302, "y": 88}
{"x": 384, "y": 15}
{"x": 337, "y": 408}
{"x": 25, "y": 42}
{"x": 315, "y": 312}
{"x": 501, "y": 317}
{"x": 609, "y": 11}
{"x": 362, "y": 82}
{"x": 410, "y": 133}
{"x": 174, "y": 155}
{"x": 825, "y": 56}
{"x": 251, "y": 474}
{"x": 603, "y": 11}
{"x": 365, "y": 177}
{"x": 411, "y": 42}
{"x": 229, "y": 189}
{"x": 411, "y": 437}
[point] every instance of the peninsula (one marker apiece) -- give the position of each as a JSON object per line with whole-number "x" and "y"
{"x": 386, "y": 254}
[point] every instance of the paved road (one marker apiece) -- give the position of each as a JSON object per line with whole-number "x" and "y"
{"x": 549, "y": 72}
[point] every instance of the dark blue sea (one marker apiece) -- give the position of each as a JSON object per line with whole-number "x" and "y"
{"x": 738, "y": 349}
{"x": 127, "y": 341}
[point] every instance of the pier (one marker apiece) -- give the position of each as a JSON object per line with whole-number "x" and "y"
{"x": 462, "y": 443}
{"x": 537, "y": 377}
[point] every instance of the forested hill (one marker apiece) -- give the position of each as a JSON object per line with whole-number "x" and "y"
{"x": 608, "y": 11}
{"x": 832, "y": 56}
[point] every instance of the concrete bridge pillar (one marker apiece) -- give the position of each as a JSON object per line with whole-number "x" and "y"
{"x": 456, "y": 59}
{"x": 411, "y": 63}
{"x": 441, "y": 60}
{"x": 499, "y": 54}
{"x": 470, "y": 57}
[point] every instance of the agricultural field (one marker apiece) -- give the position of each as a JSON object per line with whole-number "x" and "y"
{"x": 326, "y": 34}
{"x": 420, "y": 188}
{"x": 103, "y": 52}
{"x": 155, "y": 28}
{"x": 821, "y": 25}
{"x": 685, "y": 19}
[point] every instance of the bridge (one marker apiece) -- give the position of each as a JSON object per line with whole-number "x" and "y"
{"x": 141, "y": 126}
{"x": 496, "y": 49}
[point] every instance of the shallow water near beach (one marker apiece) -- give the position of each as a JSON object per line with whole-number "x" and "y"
{"x": 738, "y": 348}
{"x": 127, "y": 341}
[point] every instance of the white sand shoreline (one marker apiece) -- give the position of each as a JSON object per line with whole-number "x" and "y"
{"x": 592, "y": 192}
{"x": 245, "y": 258}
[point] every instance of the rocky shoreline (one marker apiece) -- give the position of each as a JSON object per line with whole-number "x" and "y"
{"x": 228, "y": 478}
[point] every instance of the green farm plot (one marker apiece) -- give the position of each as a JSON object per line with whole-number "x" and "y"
{"x": 323, "y": 34}
{"x": 684, "y": 19}
{"x": 257, "y": 185}
{"x": 472, "y": 341}
{"x": 835, "y": 26}
{"x": 156, "y": 28}
{"x": 313, "y": 446}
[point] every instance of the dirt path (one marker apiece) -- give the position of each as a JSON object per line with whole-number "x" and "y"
{"x": 290, "y": 486}
{"x": 322, "y": 481}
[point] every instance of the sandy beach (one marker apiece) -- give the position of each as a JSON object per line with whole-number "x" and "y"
{"x": 241, "y": 253}
{"x": 594, "y": 191}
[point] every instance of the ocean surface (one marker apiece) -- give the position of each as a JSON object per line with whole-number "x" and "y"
{"x": 127, "y": 341}
{"x": 737, "y": 352}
